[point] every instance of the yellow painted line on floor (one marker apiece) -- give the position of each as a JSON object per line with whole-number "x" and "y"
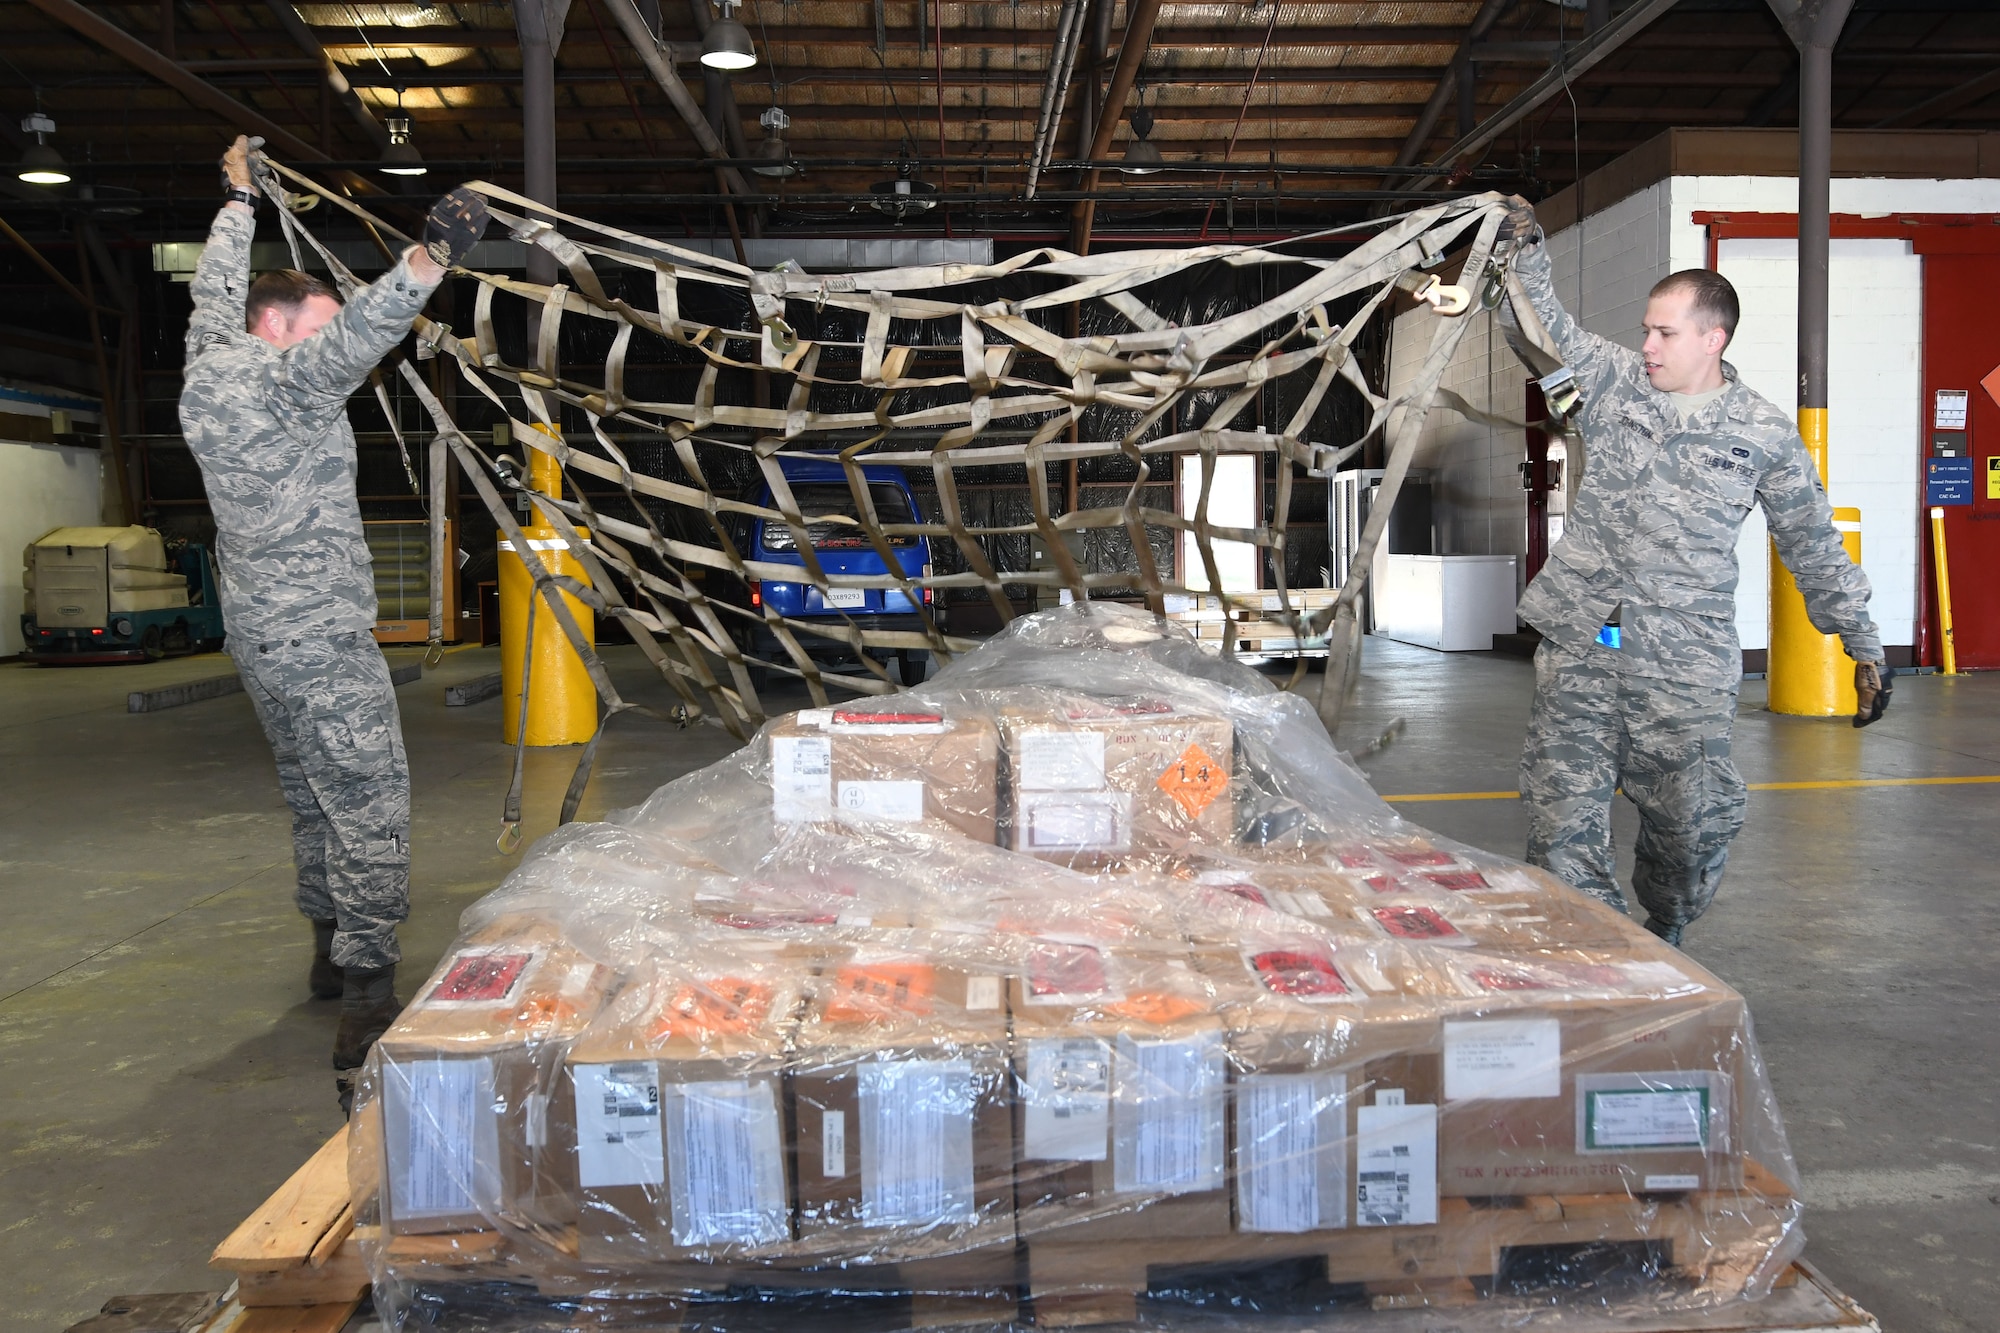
{"x": 1828, "y": 784}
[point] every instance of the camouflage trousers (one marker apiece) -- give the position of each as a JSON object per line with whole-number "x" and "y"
{"x": 1597, "y": 729}
{"x": 329, "y": 711}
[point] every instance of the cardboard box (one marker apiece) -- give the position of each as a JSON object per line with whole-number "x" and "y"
{"x": 466, "y": 1075}
{"x": 1592, "y": 1073}
{"x": 1120, "y": 1062}
{"x": 901, "y": 1114}
{"x": 1334, "y": 1111}
{"x": 1090, "y": 780}
{"x": 887, "y": 764}
{"x": 674, "y": 1104}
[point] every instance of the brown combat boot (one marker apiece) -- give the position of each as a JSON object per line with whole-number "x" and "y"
{"x": 324, "y": 981}
{"x": 368, "y": 1005}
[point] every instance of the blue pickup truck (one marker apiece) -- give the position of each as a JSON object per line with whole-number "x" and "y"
{"x": 820, "y": 487}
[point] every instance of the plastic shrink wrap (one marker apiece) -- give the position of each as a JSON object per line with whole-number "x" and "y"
{"x": 1085, "y": 968}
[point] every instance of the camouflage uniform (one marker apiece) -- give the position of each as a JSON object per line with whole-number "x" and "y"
{"x": 270, "y": 431}
{"x": 1651, "y": 538}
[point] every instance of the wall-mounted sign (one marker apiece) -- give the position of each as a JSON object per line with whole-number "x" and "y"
{"x": 1947, "y": 481}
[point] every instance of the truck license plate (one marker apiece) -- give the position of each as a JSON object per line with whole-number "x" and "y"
{"x": 848, "y": 599}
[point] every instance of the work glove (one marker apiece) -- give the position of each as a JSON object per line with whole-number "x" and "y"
{"x": 236, "y": 163}
{"x": 1519, "y": 224}
{"x": 453, "y": 226}
{"x": 1872, "y": 688}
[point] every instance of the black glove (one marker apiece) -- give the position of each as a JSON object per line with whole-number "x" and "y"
{"x": 453, "y": 226}
{"x": 1872, "y": 688}
{"x": 1519, "y": 224}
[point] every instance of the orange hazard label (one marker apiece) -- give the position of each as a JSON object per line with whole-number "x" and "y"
{"x": 722, "y": 1006}
{"x": 1156, "y": 1007}
{"x": 1194, "y": 780}
{"x": 868, "y": 992}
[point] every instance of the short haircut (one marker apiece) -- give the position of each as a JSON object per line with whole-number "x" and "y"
{"x": 285, "y": 289}
{"x": 1714, "y": 304}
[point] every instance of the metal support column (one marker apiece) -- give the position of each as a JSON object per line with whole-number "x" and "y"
{"x": 1809, "y": 674}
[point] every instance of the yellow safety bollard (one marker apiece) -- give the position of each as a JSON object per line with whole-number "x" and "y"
{"x": 1949, "y": 652}
{"x": 1809, "y": 673}
{"x": 562, "y": 701}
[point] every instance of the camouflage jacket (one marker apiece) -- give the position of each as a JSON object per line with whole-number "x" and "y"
{"x": 1652, "y": 529}
{"x": 270, "y": 432}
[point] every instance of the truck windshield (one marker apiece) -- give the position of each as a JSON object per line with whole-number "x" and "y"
{"x": 817, "y": 498}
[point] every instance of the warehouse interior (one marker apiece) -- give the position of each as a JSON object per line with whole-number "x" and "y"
{"x": 166, "y": 1069}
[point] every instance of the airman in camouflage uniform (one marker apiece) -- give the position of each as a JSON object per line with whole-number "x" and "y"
{"x": 264, "y": 410}
{"x": 1636, "y": 678}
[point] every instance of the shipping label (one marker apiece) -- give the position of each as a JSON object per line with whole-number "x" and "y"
{"x": 1502, "y": 1057}
{"x": 443, "y": 1143}
{"x": 1668, "y": 1111}
{"x": 618, "y": 1125}
{"x": 1168, "y": 1113}
{"x": 1058, "y": 821}
{"x": 801, "y": 778}
{"x": 726, "y": 1150}
{"x": 1291, "y": 1152}
{"x": 1067, "y": 1097}
{"x": 1395, "y": 1163}
{"x": 1060, "y": 760}
{"x": 916, "y": 1143}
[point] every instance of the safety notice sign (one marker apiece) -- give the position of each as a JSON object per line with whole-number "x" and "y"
{"x": 1993, "y": 477}
{"x": 1948, "y": 481}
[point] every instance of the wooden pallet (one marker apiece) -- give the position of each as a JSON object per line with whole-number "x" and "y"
{"x": 298, "y": 1264}
{"x": 1714, "y": 1238}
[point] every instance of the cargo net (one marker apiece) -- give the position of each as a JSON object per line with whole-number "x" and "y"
{"x": 847, "y": 368}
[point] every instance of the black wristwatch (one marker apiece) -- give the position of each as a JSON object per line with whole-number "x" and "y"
{"x": 242, "y": 196}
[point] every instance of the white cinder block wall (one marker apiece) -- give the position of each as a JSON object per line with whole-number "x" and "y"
{"x": 1479, "y": 504}
{"x": 1875, "y": 408}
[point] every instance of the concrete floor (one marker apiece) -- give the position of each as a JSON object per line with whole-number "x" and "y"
{"x": 164, "y": 1073}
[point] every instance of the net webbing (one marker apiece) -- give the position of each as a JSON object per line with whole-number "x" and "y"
{"x": 859, "y": 388}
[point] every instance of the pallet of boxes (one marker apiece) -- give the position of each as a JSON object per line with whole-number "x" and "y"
{"x": 1090, "y": 970}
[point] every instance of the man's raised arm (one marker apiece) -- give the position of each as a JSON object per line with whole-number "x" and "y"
{"x": 1593, "y": 360}
{"x": 324, "y": 369}
{"x": 222, "y": 278}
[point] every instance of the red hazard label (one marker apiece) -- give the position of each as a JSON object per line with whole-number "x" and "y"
{"x": 1298, "y": 974}
{"x": 1414, "y": 923}
{"x": 482, "y": 976}
{"x": 1459, "y": 881}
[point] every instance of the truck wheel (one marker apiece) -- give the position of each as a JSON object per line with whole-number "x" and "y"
{"x": 915, "y": 664}
{"x": 153, "y": 644}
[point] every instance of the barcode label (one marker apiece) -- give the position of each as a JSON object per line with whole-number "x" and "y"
{"x": 618, "y": 1125}
{"x": 1395, "y": 1161}
{"x": 833, "y": 1144}
{"x": 728, "y": 1166}
{"x": 1068, "y": 1100}
{"x": 801, "y": 778}
{"x": 916, "y": 1143}
{"x": 1291, "y": 1146}
{"x": 1168, "y": 1111}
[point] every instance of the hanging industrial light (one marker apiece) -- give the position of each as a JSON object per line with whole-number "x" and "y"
{"x": 904, "y": 196}
{"x": 774, "y": 155}
{"x": 1142, "y": 155}
{"x": 41, "y": 164}
{"x": 401, "y": 157}
{"x": 727, "y": 44}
